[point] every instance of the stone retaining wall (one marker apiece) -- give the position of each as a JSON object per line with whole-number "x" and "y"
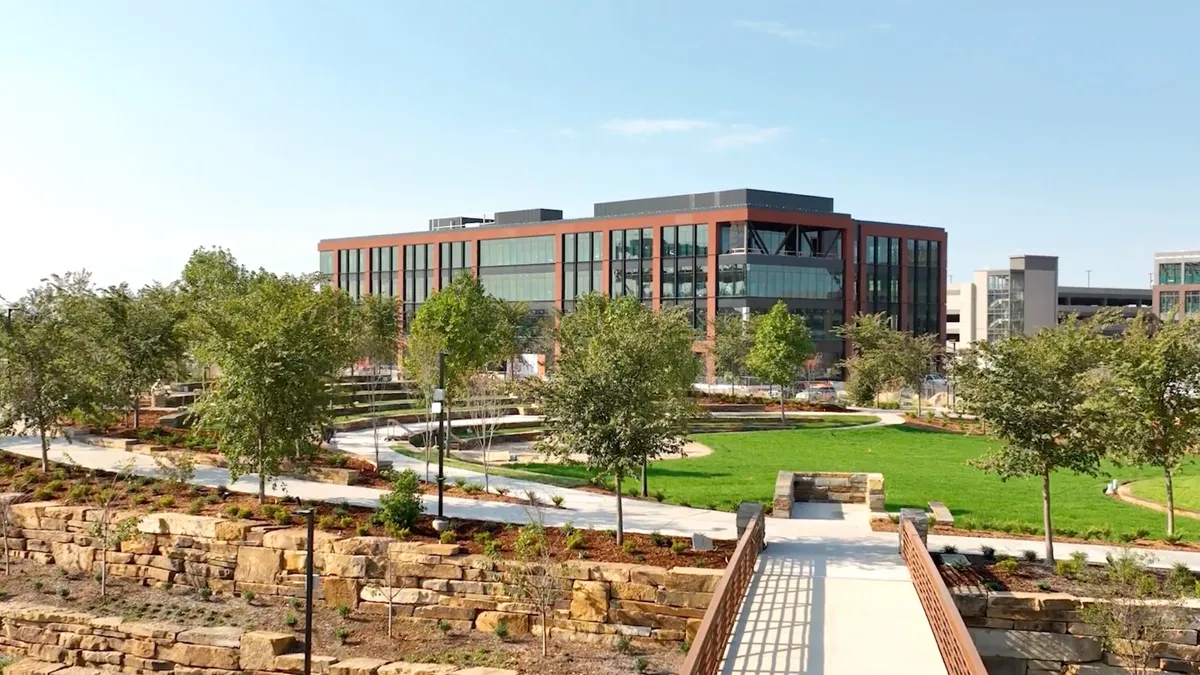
{"x": 66, "y": 642}
{"x": 1043, "y": 634}
{"x": 436, "y": 581}
{"x": 845, "y": 488}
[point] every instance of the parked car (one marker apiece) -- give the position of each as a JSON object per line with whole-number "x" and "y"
{"x": 817, "y": 393}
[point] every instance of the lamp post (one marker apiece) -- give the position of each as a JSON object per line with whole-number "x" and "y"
{"x": 308, "y": 591}
{"x": 439, "y": 397}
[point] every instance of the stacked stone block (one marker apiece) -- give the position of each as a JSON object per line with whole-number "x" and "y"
{"x": 842, "y": 488}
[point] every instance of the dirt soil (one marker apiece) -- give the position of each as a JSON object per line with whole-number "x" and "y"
{"x": 960, "y": 426}
{"x": 983, "y": 574}
{"x": 1036, "y": 539}
{"x": 73, "y": 485}
{"x": 421, "y": 643}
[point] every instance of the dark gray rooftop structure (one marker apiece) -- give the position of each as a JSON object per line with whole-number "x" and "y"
{"x": 700, "y": 201}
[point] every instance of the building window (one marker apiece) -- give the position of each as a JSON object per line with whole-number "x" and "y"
{"x": 1168, "y": 301}
{"x": 581, "y": 273}
{"x": 1191, "y": 273}
{"x": 631, "y": 262}
{"x": 779, "y": 281}
{"x": 327, "y": 267}
{"x": 684, "y": 271}
{"x": 924, "y": 277}
{"x": 418, "y": 276}
{"x": 518, "y": 269}
{"x": 998, "y": 307}
{"x": 1191, "y": 303}
{"x": 1169, "y": 274}
{"x": 882, "y": 282}
{"x": 453, "y": 262}
{"x": 384, "y": 265}
{"x": 350, "y": 278}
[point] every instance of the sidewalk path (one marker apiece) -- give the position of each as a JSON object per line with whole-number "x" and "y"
{"x": 830, "y": 596}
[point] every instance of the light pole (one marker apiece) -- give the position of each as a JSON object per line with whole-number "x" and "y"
{"x": 439, "y": 397}
{"x": 308, "y": 591}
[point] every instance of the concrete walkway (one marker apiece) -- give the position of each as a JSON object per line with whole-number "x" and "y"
{"x": 824, "y": 585}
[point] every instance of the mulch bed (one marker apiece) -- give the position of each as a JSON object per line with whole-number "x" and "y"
{"x": 984, "y": 575}
{"x": 889, "y": 526}
{"x": 965, "y": 427}
{"x": 416, "y": 642}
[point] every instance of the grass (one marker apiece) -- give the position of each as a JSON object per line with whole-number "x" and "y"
{"x": 566, "y": 481}
{"x": 770, "y": 422}
{"x": 918, "y": 466}
{"x": 1187, "y": 492}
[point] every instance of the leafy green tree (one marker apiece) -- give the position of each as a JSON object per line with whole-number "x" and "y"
{"x": 400, "y": 508}
{"x": 1031, "y": 391}
{"x": 782, "y": 344}
{"x": 911, "y": 358}
{"x": 378, "y": 333}
{"x": 279, "y": 344}
{"x": 731, "y": 346}
{"x": 210, "y": 279}
{"x": 49, "y": 359}
{"x": 869, "y": 365}
{"x": 142, "y": 335}
{"x": 620, "y": 388}
{"x": 1150, "y": 398}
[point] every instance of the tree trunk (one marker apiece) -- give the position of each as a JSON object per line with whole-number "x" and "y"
{"x": 1170, "y": 502}
{"x": 137, "y": 413}
{"x": 545, "y": 634}
{"x": 918, "y": 390}
{"x": 391, "y": 594}
{"x": 645, "y": 485}
{"x": 104, "y": 567}
{"x": 782, "y": 408}
{"x": 620, "y": 516}
{"x": 45, "y": 449}
{"x": 4, "y": 522}
{"x": 375, "y": 418}
{"x": 1049, "y": 527}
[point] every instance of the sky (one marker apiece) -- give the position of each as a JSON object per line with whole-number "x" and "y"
{"x": 132, "y": 133}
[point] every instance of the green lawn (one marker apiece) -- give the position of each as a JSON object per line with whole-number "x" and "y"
{"x": 1187, "y": 491}
{"x": 918, "y": 467}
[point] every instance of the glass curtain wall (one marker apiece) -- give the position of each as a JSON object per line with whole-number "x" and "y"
{"x": 883, "y": 275}
{"x": 453, "y": 262}
{"x": 1191, "y": 273}
{"x": 385, "y": 262}
{"x": 1168, "y": 301}
{"x": 350, "y": 277}
{"x": 518, "y": 269}
{"x": 1170, "y": 274}
{"x": 1191, "y": 303}
{"x": 418, "y": 273}
{"x": 582, "y": 272}
{"x": 998, "y": 307}
{"x": 326, "y": 267}
{"x": 923, "y": 280}
{"x": 684, "y": 271}
{"x": 631, "y": 264}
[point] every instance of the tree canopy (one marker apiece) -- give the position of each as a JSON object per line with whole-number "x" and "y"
{"x": 734, "y": 338}
{"x": 782, "y": 345}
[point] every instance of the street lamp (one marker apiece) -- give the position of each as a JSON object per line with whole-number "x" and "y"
{"x": 308, "y": 591}
{"x": 439, "y": 398}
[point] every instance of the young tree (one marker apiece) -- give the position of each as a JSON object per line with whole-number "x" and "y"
{"x": 210, "y": 279}
{"x": 912, "y": 358}
{"x": 420, "y": 365}
{"x": 6, "y": 520}
{"x": 536, "y": 577}
{"x": 142, "y": 334}
{"x": 387, "y": 589}
{"x": 731, "y": 346}
{"x": 620, "y": 389}
{"x": 110, "y": 530}
{"x": 279, "y": 345}
{"x": 378, "y": 342}
{"x": 1150, "y": 399}
{"x": 782, "y": 344}
{"x": 50, "y": 360}
{"x": 870, "y": 364}
{"x": 1031, "y": 392}
{"x": 490, "y": 397}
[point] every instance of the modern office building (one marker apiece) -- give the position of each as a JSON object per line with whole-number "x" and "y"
{"x": 729, "y": 251}
{"x": 1024, "y": 298}
{"x": 1177, "y": 287}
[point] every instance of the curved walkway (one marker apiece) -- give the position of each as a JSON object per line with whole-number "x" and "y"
{"x": 1125, "y": 494}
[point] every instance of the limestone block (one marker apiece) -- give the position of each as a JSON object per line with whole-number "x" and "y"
{"x": 518, "y": 624}
{"x": 1014, "y": 600}
{"x": 401, "y": 596}
{"x": 143, "y": 544}
{"x": 347, "y": 566}
{"x": 693, "y": 579}
{"x": 443, "y": 612}
{"x": 484, "y": 670}
{"x": 443, "y": 571}
{"x": 294, "y": 663}
{"x": 441, "y": 585}
{"x": 192, "y": 670}
{"x": 405, "y": 668}
{"x": 648, "y": 574}
{"x": 147, "y": 664}
{"x": 1095, "y": 669}
{"x": 111, "y": 658}
{"x": 140, "y": 648}
{"x": 77, "y": 670}
{"x": 215, "y": 636}
{"x": 259, "y": 649}
{"x": 438, "y": 549}
{"x": 377, "y": 546}
{"x": 682, "y": 599}
{"x": 610, "y": 571}
{"x": 152, "y": 629}
{"x": 589, "y": 600}
{"x": 295, "y": 561}
{"x": 1001, "y": 665}
{"x": 1026, "y": 645}
{"x": 33, "y": 667}
{"x": 359, "y": 666}
{"x": 258, "y": 565}
{"x": 693, "y": 627}
{"x": 517, "y": 607}
{"x": 576, "y": 569}
{"x": 970, "y": 604}
{"x": 201, "y": 656}
{"x": 296, "y": 538}
{"x": 73, "y": 558}
{"x": 632, "y": 591}
{"x": 233, "y": 530}
{"x": 179, "y": 524}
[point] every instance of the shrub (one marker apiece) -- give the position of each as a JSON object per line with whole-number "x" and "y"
{"x": 557, "y": 500}
{"x": 501, "y": 491}
{"x": 448, "y": 537}
{"x": 1044, "y": 585}
{"x": 195, "y": 507}
{"x": 327, "y": 522}
{"x": 611, "y": 532}
{"x": 492, "y": 549}
{"x": 659, "y": 539}
{"x": 246, "y": 512}
{"x": 949, "y": 548}
{"x": 1126, "y": 537}
{"x": 346, "y": 523}
{"x": 640, "y": 664}
{"x": 341, "y": 634}
{"x": 212, "y": 500}
{"x": 1181, "y": 581}
{"x": 283, "y": 517}
{"x": 1173, "y": 539}
{"x": 988, "y": 552}
{"x": 531, "y": 497}
{"x": 248, "y": 596}
{"x": 501, "y": 629}
{"x": 362, "y": 530}
{"x": 529, "y": 541}
{"x": 473, "y": 488}
{"x": 43, "y": 493}
{"x": 232, "y": 510}
{"x": 1008, "y": 565}
{"x": 205, "y": 593}
{"x": 659, "y": 496}
{"x": 37, "y": 585}
{"x": 78, "y": 493}
{"x": 621, "y": 644}
{"x": 678, "y": 546}
{"x": 568, "y": 528}
{"x": 444, "y": 626}
{"x": 1142, "y": 533}
{"x": 290, "y": 619}
{"x": 628, "y": 547}
{"x": 482, "y": 537}
{"x": 294, "y": 603}
{"x": 1147, "y": 585}
{"x": 402, "y": 506}
{"x": 165, "y": 502}
{"x": 1068, "y": 569}
{"x": 343, "y": 611}
{"x": 574, "y": 541}
{"x": 460, "y": 482}
{"x": 1029, "y": 555}
{"x": 63, "y": 592}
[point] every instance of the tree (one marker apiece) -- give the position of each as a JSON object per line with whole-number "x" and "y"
{"x": 279, "y": 344}
{"x": 620, "y": 388}
{"x": 911, "y": 358}
{"x": 6, "y": 520}
{"x": 420, "y": 364}
{"x": 536, "y": 577}
{"x": 110, "y": 530}
{"x": 490, "y": 397}
{"x": 210, "y": 279}
{"x": 387, "y": 588}
{"x": 400, "y": 508}
{"x": 49, "y": 359}
{"x": 142, "y": 334}
{"x": 378, "y": 341}
{"x": 731, "y": 346}
{"x": 782, "y": 344}
{"x": 1031, "y": 391}
{"x": 1150, "y": 400}
{"x": 870, "y": 364}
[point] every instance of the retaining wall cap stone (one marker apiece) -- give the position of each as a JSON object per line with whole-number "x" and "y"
{"x": 214, "y": 636}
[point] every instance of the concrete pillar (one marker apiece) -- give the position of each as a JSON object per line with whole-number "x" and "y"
{"x": 920, "y": 521}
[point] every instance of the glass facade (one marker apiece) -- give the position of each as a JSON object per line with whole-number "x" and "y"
{"x": 882, "y": 282}
{"x": 779, "y": 239}
{"x": 998, "y": 316}
{"x": 350, "y": 277}
{"x": 924, "y": 277}
{"x": 582, "y": 272}
{"x": 1170, "y": 274}
{"x": 1191, "y": 303}
{"x": 684, "y": 271}
{"x": 326, "y": 267}
{"x": 418, "y": 277}
{"x": 385, "y": 262}
{"x": 518, "y": 269}
{"x": 778, "y": 281}
{"x": 631, "y": 263}
{"x": 454, "y": 261}
{"x": 1168, "y": 301}
{"x": 1191, "y": 273}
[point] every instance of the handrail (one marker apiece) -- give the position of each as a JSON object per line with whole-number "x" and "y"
{"x": 953, "y": 641}
{"x": 708, "y": 648}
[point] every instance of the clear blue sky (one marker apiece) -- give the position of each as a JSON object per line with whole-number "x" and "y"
{"x": 132, "y": 132}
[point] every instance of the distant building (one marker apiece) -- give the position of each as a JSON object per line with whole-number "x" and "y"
{"x": 1026, "y": 297}
{"x": 1178, "y": 283}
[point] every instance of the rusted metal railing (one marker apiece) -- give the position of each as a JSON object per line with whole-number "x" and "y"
{"x": 704, "y": 657}
{"x": 953, "y": 640}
